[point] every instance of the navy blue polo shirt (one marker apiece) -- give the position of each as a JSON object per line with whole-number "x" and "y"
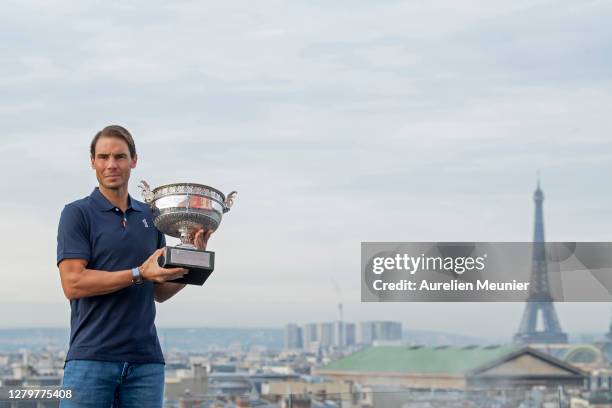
{"x": 118, "y": 326}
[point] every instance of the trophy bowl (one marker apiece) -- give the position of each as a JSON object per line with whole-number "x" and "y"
{"x": 181, "y": 209}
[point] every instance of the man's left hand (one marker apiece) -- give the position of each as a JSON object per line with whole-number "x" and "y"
{"x": 200, "y": 240}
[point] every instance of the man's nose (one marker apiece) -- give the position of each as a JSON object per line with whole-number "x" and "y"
{"x": 111, "y": 163}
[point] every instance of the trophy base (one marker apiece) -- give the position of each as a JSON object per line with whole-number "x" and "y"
{"x": 199, "y": 262}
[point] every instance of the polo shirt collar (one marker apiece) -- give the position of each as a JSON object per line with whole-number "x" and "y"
{"x": 104, "y": 205}
{"x": 134, "y": 204}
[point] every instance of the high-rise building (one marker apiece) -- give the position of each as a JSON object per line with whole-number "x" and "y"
{"x": 325, "y": 332}
{"x": 365, "y": 333}
{"x": 310, "y": 335}
{"x": 339, "y": 335}
{"x": 349, "y": 332}
{"x": 371, "y": 331}
{"x": 293, "y": 337}
{"x": 387, "y": 331}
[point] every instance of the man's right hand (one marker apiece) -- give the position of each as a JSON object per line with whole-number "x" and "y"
{"x": 150, "y": 269}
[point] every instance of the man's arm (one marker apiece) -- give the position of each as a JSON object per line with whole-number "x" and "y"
{"x": 79, "y": 282}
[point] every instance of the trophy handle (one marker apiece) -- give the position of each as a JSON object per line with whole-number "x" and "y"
{"x": 229, "y": 201}
{"x": 147, "y": 195}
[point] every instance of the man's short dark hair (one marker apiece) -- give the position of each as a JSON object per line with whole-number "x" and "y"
{"x": 114, "y": 131}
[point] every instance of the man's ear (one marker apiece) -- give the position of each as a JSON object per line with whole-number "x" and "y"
{"x": 134, "y": 161}
{"x": 92, "y": 163}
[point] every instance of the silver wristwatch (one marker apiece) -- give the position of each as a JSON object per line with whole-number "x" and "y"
{"x": 136, "y": 276}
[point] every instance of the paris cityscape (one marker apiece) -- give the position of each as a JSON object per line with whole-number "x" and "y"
{"x": 361, "y": 364}
{"x": 342, "y": 125}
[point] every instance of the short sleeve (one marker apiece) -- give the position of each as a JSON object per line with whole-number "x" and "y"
{"x": 73, "y": 235}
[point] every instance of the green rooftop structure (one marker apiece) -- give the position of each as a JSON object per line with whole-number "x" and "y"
{"x": 415, "y": 359}
{"x": 458, "y": 368}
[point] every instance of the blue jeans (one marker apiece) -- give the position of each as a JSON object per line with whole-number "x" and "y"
{"x": 106, "y": 384}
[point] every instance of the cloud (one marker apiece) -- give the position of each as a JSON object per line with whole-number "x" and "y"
{"x": 337, "y": 122}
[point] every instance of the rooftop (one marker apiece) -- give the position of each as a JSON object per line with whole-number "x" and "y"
{"x": 413, "y": 359}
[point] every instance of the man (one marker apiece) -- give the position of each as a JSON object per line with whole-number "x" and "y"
{"x": 107, "y": 250}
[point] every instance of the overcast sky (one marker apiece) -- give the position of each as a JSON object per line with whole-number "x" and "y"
{"x": 338, "y": 122}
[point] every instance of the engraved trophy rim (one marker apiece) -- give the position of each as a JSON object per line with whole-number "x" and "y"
{"x": 201, "y": 206}
{"x": 156, "y": 189}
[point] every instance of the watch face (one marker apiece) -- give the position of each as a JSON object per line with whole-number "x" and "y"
{"x": 136, "y": 276}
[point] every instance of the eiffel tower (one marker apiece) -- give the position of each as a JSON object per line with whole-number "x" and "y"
{"x": 539, "y": 303}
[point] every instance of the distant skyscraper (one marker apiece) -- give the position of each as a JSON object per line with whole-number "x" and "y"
{"x": 317, "y": 336}
{"x": 326, "y": 334}
{"x": 368, "y": 332}
{"x": 387, "y": 331}
{"x": 293, "y": 337}
{"x": 539, "y": 303}
{"x": 339, "y": 334}
{"x": 310, "y": 335}
{"x": 349, "y": 333}
{"x": 364, "y": 333}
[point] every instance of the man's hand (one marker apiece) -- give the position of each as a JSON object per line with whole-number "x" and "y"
{"x": 150, "y": 269}
{"x": 200, "y": 239}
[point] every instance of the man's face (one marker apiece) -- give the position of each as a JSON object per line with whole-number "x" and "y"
{"x": 113, "y": 163}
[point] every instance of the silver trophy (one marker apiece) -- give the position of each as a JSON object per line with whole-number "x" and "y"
{"x": 180, "y": 210}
